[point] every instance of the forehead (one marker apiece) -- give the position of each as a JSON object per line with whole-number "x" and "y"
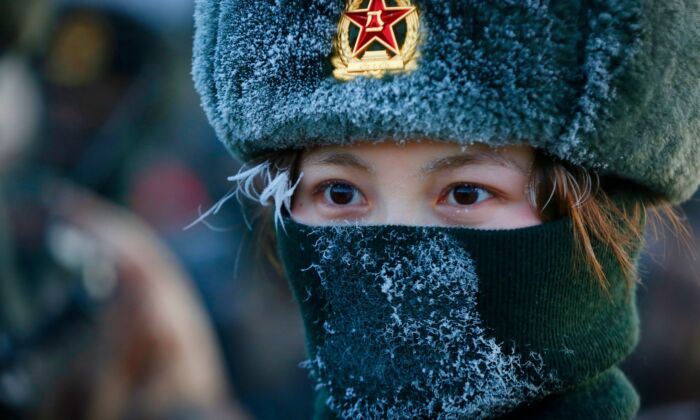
{"x": 426, "y": 156}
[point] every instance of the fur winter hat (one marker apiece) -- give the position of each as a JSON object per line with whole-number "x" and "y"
{"x": 613, "y": 85}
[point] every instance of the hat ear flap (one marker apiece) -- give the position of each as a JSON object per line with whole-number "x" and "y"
{"x": 652, "y": 135}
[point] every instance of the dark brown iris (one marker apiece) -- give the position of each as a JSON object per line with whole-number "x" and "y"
{"x": 341, "y": 193}
{"x": 465, "y": 195}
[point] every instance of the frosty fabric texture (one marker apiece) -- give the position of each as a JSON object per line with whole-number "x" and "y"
{"x": 423, "y": 351}
{"x": 610, "y": 84}
{"x": 433, "y": 322}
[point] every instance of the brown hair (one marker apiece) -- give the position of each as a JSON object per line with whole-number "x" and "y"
{"x": 608, "y": 209}
{"x": 612, "y": 210}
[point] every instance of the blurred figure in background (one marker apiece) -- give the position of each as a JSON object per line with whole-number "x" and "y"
{"x": 132, "y": 130}
{"x": 115, "y": 114}
{"x": 97, "y": 319}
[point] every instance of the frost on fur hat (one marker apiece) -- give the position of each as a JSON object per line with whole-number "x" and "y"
{"x": 610, "y": 84}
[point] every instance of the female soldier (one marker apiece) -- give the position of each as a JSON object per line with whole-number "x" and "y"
{"x": 460, "y": 187}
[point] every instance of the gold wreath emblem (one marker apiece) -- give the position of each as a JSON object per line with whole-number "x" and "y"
{"x": 375, "y": 25}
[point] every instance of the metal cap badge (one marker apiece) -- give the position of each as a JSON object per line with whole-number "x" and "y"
{"x": 376, "y": 49}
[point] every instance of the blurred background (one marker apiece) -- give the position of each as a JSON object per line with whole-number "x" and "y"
{"x": 109, "y": 309}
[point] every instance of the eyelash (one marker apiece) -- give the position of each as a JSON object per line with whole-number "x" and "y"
{"x": 324, "y": 186}
{"x": 443, "y": 197}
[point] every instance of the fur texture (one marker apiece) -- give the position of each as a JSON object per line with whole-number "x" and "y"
{"x": 610, "y": 84}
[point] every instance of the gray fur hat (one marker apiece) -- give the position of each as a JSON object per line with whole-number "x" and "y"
{"x": 613, "y": 85}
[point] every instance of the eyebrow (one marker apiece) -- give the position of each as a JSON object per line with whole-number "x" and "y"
{"x": 456, "y": 161}
{"x": 440, "y": 164}
{"x": 340, "y": 159}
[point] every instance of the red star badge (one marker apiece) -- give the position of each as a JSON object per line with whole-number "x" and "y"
{"x": 376, "y": 24}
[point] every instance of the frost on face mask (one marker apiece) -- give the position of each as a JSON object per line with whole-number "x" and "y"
{"x": 399, "y": 334}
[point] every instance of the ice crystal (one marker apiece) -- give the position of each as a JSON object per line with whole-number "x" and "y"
{"x": 277, "y": 190}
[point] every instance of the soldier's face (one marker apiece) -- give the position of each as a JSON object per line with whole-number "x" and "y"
{"x": 426, "y": 183}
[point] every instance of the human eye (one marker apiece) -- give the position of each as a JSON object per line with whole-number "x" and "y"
{"x": 464, "y": 195}
{"x": 339, "y": 193}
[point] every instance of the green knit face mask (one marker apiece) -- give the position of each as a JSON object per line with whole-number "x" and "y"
{"x": 408, "y": 321}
